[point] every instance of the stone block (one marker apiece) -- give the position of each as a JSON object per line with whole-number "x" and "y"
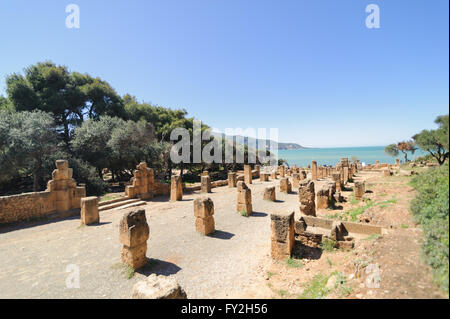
{"x": 89, "y": 210}
{"x": 269, "y": 193}
{"x": 282, "y": 235}
{"x": 203, "y": 207}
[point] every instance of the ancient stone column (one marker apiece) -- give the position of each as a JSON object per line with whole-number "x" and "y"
{"x": 283, "y": 235}
{"x": 295, "y": 180}
{"x": 232, "y": 179}
{"x": 306, "y": 197}
{"x": 322, "y": 198}
{"x": 244, "y": 199}
{"x": 359, "y": 190}
{"x": 134, "y": 233}
{"x": 269, "y": 193}
{"x": 337, "y": 178}
{"x": 248, "y": 174}
{"x": 386, "y": 172}
{"x": 204, "y": 211}
{"x": 176, "y": 188}
{"x": 89, "y": 210}
{"x": 264, "y": 177}
{"x": 397, "y": 162}
{"x": 345, "y": 170}
{"x": 205, "y": 184}
{"x": 205, "y": 173}
{"x": 314, "y": 170}
{"x": 282, "y": 171}
{"x": 285, "y": 185}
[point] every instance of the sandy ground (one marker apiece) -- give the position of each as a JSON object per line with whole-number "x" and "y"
{"x": 234, "y": 262}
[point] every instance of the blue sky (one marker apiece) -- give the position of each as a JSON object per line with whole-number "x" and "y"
{"x": 310, "y": 68}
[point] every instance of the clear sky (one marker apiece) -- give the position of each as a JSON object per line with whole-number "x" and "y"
{"x": 310, "y": 68}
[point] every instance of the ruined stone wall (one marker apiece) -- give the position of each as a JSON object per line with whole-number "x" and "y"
{"x": 62, "y": 194}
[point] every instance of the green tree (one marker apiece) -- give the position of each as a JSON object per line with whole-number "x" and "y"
{"x": 405, "y": 147}
{"x": 26, "y": 139}
{"x": 435, "y": 142}
{"x": 70, "y": 97}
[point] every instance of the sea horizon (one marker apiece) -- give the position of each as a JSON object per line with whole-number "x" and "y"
{"x": 332, "y": 155}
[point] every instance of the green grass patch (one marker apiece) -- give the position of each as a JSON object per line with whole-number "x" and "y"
{"x": 373, "y": 237}
{"x": 316, "y": 288}
{"x": 108, "y": 197}
{"x": 404, "y": 226}
{"x": 293, "y": 263}
{"x": 328, "y": 244}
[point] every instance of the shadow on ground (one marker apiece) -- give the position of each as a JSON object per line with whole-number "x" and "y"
{"x": 301, "y": 251}
{"x": 158, "y": 267}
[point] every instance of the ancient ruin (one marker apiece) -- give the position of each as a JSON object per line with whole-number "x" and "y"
{"x": 248, "y": 176}
{"x": 134, "y": 233}
{"x": 203, "y": 212}
{"x": 359, "y": 190}
{"x": 285, "y": 185}
{"x": 142, "y": 183}
{"x": 244, "y": 199}
{"x": 269, "y": 193}
{"x": 205, "y": 184}
{"x": 89, "y": 210}
{"x": 283, "y": 235}
{"x": 176, "y": 188}
{"x": 306, "y": 195}
{"x": 232, "y": 179}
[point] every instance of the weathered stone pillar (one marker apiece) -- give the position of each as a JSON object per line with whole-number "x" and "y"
{"x": 336, "y": 177}
{"x": 295, "y": 180}
{"x": 359, "y": 190}
{"x": 244, "y": 199}
{"x": 205, "y": 173}
{"x": 232, "y": 179}
{"x": 204, "y": 211}
{"x": 283, "y": 235}
{"x": 205, "y": 184}
{"x": 397, "y": 162}
{"x": 345, "y": 170}
{"x": 134, "y": 233}
{"x": 306, "y": 197}
{"x": 269, "y": 193}
{"x": 285, "y": 185}
{"x": 322, "y": 198}
{"x": 176, "y": 188}
{"x": 282, "y": 171}
{"x": 248, "y": 174}
{"x": 264, "y": 177}
{"x": 89, "y": 210}
{"x": 314, "y": 170}
{"x": 386, "y": 172}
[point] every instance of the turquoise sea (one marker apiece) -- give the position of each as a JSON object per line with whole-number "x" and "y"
{"x": 331, "y": 156}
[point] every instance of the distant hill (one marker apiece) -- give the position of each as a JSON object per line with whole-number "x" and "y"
{"x": 247, "y": 140}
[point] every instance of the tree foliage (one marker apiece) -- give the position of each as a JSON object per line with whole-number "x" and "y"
{"x": 405, "y": 147}
{"x": 435, "y": 142}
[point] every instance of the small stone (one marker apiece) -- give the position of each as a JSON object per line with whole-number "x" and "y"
{"x": 158, "y": 287}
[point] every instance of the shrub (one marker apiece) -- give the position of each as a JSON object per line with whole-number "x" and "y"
{"x": 430, "y": 209}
